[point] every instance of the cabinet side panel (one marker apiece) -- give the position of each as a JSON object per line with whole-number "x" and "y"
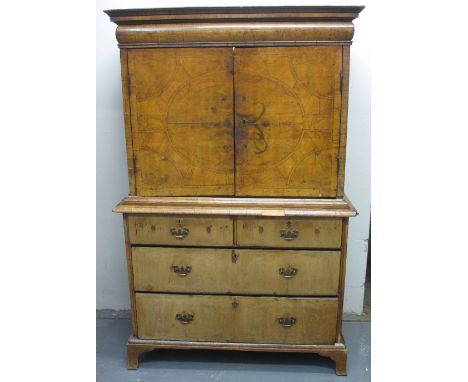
{"x": 181, "y": 101}
{"x": 127, "y": 120}
{"x": 344, "y": 122}
{"x": 341, "y": 287}
{"x": 128, "y": 252}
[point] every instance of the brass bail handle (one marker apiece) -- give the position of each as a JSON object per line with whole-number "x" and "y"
{"x": 184, "y": 318}
{"x": 181, "y": 270}
{"x": 287, "y": 322}
{"x": 289, "y": 234}
{"x": 289, "y": 272}
{"x": 179, "y": 232}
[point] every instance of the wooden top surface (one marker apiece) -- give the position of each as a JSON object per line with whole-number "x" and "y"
{"x": 204, "y": 14}
{"x": 237, "y": 206}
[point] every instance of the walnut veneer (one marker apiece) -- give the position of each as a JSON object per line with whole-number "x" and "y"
{"x": 236, "y": 223}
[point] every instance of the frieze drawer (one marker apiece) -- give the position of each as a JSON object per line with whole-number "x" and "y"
{"x": 180, "y": 230}
{"x": 292, "y": 233}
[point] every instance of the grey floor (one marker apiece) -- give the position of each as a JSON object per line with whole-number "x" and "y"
{"x": 206, "y": 365}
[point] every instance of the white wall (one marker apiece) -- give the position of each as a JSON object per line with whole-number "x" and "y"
{"x": 112, "y": 183}
{"x": 358, "y": 154}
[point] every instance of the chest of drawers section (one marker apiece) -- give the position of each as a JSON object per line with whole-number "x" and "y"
{"x": 218, "y": 276}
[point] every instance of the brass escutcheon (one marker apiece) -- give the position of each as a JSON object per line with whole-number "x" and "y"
{"x": 288, "y": 234}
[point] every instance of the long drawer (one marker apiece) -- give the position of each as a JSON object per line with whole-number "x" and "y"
{"x": 292, "y": 233}
{"x": 240, "y": 271}
{"x": 180, "y": 231}
{"x": 236, "y": 319}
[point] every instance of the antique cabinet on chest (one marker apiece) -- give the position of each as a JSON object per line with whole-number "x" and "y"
{"x": 236, "y": 223}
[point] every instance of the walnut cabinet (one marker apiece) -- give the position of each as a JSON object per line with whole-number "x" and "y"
{"x": 236, "y": 220}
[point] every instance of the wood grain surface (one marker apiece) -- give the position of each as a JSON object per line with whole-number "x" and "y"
{"x": 235, "y": 26}
{"x": 343, "y": 122}
{"x": 337, "y": 351}
{"x": 130, "y": 273}
{"x": 181, "y": 101}
{"x": 267, "y": 232}
{"x": 224, "y": 14}
{"x": 236, "y": 221}
{"x": 237, "y": 206}
{"x": 236, "y": 318}
{"x": 287, "y": 118}
{"x": 239, "y": 271}
{"x": 196, "y": 230}
{"x": 250, "y": 33}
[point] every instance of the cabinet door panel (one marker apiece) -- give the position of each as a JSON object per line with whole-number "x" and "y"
{"x": 181, "y": 114}
{"x": 287, "y": 121}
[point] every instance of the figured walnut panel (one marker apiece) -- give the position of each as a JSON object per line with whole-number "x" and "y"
{"x": 287, "y": 118}
{"x": 181, "y": 115}
{"x": 234, "y": 33}
{"x": 176, "y": 230}
{"x": 236, "y": 318}
{"x": 240, "y": 271}
{"x": 291, "y": 232}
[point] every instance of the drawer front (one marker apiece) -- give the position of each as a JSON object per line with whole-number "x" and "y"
{"x": 237, "y": 319}
{"x": 293, "y": 233}
{"x": 172, "y": 230}
{"x": 240, "y": 271}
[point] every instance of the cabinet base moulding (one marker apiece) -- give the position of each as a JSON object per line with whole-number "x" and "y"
{"x": 337, "y": 352}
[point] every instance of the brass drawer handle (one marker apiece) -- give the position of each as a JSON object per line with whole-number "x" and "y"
{"x": 184, "y": 318}
{"x": 179, "y": 233}
{"x": 288, "y": 234}
{"x": 288, "y": 273}
{"x": 181, "y": 271}
{"x": 287, "y": 322}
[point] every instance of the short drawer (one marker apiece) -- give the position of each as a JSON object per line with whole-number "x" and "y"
{"x": 172, "y": 230}
{"x": 292, "y": 233}
{"x": 237, "y": 318}
{"x": 240, "y": 271}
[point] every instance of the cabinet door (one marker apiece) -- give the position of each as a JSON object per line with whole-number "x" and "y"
{"x": 287, "y": 120}
{"x": 181, "y": 106}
